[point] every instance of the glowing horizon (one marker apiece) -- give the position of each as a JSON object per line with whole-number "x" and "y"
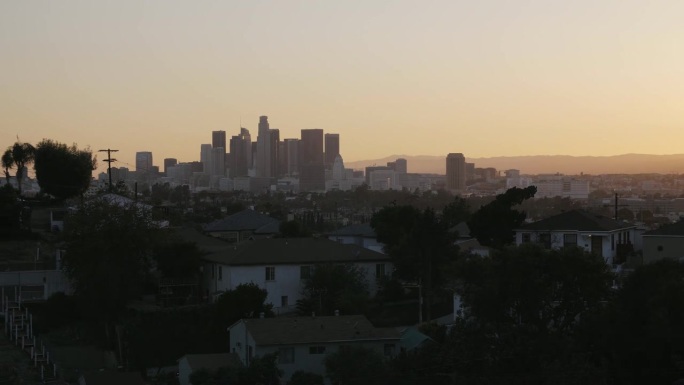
{"x": 490, "y": 78}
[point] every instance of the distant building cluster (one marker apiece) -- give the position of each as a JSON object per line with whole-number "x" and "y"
{"x": 310, "y": 163}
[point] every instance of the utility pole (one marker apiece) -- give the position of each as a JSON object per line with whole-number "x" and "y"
{"x": 109, "y": 161}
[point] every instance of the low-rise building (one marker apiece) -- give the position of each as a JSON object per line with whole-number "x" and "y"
{"x": 603, "y": 236}
{"x": 664, "y": 242}
{"x": 302, "y": 343}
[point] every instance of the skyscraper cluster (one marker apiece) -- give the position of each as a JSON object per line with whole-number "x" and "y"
{"x": 310, "y": 159}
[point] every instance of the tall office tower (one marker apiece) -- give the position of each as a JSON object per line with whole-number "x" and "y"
{"x": 143, "y": 161}
{"x": 263, "y": 159}
{"x": 205, "y": 158}
{"x": 400, "y": 166}
{"x": 311, "y": 161}
{"x": 455, "y": 172}
{"x": 292, "y": 156}
{"x": 247, "y": 139}
{"x": 218, "y": 140}
{"x": 332, "y": 149}
{"x": 218, "y": 159}
{"x": 169, "y": 162}
{"x": 275, "y": 141}
{"x": 282, "y": 159}
{"x": 241, "y": 154}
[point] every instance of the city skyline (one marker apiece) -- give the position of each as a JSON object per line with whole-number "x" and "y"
{"x": 487, "y": 78}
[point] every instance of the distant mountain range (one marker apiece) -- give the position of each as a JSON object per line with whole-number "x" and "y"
{"x": 546, "y": 164}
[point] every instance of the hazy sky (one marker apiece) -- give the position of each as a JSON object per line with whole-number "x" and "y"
{"x": 483, "y": 78}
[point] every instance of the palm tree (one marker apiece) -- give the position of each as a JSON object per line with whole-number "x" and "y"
{"x": 7, "y": 163}
{"x": 22, "y": 154}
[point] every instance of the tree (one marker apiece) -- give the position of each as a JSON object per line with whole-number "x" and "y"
{"x": 247, "y": 300}
{"x": 334, "y": 287}
{"x": 352, "y": 365}
{"x": 7, "y": 163}
{"x": 63, "y": 171}
{"x": 19, "y": 155}
{"x": 305, "y": 378}
{"x": 419, "y": 243}
{"x": 109, "y": 248}
{"x": 523, "y": 311}
{"x": 493, "y": 223}
{"x": 646, "y": 326}
{"x": 292, "y": 229}
{"x": 177, "y": 259}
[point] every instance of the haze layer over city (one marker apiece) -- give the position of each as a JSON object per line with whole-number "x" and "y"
{"x": 401, "y": 78}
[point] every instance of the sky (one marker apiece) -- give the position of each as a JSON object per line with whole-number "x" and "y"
{"x": 484, "y": 78}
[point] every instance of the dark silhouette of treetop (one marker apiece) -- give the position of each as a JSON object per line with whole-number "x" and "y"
{"x": 63, "y": 171}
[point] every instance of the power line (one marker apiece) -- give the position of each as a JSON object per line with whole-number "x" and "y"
{"x": 109, "y": 161}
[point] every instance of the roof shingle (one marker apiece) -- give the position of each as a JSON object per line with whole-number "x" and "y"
{"x": 309, "y": 330}
{"x": 578, "y": 220}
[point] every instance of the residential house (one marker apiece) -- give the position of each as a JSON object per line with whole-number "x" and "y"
{"x": 664, "y": 242}
{"x": 302, "y": 343}
{"x": 191, "y": 362}
{"x": 244, "y": 225}
{"x": 280, "y": 265}
{"x": 603, "y": 236}
{"x": 359, "y": 234}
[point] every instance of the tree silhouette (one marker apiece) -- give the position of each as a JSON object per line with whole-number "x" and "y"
{"x": 63, "y": 171}
{"x": 493, "y": 223}
{"x": 19, "y": 155}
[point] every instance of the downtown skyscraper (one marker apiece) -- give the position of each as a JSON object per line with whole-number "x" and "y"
{"x": 263, "y": 157}
{"x": 311, "y": 161}
{"x": 456, "y": 172}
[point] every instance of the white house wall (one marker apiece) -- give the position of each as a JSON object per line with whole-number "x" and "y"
{"x": 583, "y": 240}
{"x": 287, "y": 281}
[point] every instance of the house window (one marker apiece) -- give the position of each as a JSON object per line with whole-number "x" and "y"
{"x": 569, "y": 240}
{"x": 284, "y": 301}
{"x": 270, "y": 273}
{"x": 379, "y": 270}
{"x": 545, "y": 240}
{"x": 316, "y": 349}
{"x": 389, "y": 349}
{"x": 526, "y": 237}
{"x": 286, "y": 356}
{"x": 220, "y": 273}
{"x": 304, "y": 272}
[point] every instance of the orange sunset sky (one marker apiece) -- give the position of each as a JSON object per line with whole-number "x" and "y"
{"x": 484, "y": 78}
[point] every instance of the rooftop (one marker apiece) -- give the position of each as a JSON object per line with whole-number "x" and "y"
{"x": 280, "y": 251}
{"x": 361, "y": 230}
{"x": 577, "y": 220}
{"x": 309, "y": 330}
{"x": 670, "y": 229}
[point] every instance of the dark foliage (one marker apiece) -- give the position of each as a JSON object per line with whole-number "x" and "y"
{"x": 63, "y": 171}
{"x": 493, "y": 223}
{"x": 334, "y": 287}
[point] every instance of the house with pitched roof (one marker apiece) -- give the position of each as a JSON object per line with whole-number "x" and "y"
{"x": 666, "y": 241}
{"x": 613, "y": 240}
{"x": 280, "y": 265}
{"x": 302, "y": 343}
{"x": 358, "y": 234}
{"x": 243, "y": 225}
